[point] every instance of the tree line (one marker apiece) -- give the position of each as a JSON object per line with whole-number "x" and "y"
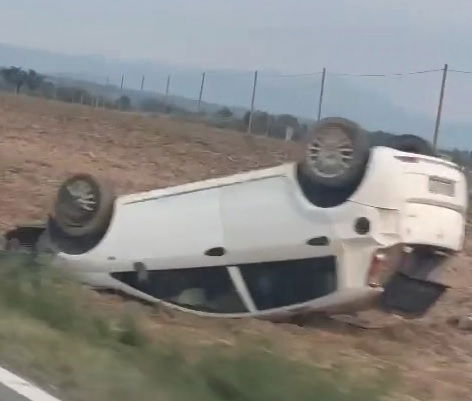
{"x": 30, "y": 82}
{"x": 18, "y": 78}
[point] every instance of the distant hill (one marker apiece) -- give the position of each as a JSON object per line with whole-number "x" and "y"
{"x": 233, "y": 88}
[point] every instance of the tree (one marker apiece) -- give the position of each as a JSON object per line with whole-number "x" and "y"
{"x": 278, "y": 128}
{"x": 14, "y": 76}
{"x": 73, "y": 95}
{"x": 246, "y": 118}
{"x": 456, "y": 156}
{"x": 380, "y": 138}
{"x": 225, "y": 112}
{"x": 260, "y": 121}
{"x": 18, "y": 77}
{"x": 47, "y": 89}
{"x": 301, "y": 133}
{"x": 33, "y": 80}
{"x": 124, "y": 102}
{"x": 288, "y": 120}
{"x": 152, "y": 104}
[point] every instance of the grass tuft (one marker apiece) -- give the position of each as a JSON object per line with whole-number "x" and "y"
{"x": 52, "y": 331}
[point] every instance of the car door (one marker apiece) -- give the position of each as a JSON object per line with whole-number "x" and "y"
{"x": 279, "y": 246}
{"x": 266, "y": 220}
{"x": 176, "y": 231}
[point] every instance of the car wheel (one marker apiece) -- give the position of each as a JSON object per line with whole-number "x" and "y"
{"x": 411, "y": 144}
{"x": 336, "y": 153}
{"x": 84, "y": 206}
{"x": 45, "y": 244}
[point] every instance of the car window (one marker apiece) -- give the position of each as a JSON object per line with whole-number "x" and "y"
{"x": 208, "y": 289}
{"x": 277, "y": 284}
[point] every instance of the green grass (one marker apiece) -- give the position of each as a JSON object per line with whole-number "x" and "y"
{"x": 52, "y": 331}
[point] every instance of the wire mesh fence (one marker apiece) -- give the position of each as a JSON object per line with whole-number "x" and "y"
{"x": 284, "y": 105}
{"x": 397, "y": 101}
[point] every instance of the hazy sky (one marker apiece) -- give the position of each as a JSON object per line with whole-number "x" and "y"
{"x": 296, "y": 35}
{"x": 286, "y": 35}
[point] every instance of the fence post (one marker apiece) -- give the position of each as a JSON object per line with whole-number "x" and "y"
{"x": 200, "y": 96}
{"x": 320, "y": 102}
{"x": 251, "y": 113}
{"x": 440, "y": 105}
{"x": 122, "y": 82}
{"x": 289, "y": 131}
{"x": 142, "y": 83}
{"x": 166, "y": 99}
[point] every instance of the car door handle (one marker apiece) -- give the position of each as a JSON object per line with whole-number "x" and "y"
{"x": 217, "y": 251}
{"x": 318, "y": 241}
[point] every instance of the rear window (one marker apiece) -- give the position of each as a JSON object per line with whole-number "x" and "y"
{"x": 278, "y": 284}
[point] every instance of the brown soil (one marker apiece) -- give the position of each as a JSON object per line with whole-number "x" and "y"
{"x": 41, "y": 142}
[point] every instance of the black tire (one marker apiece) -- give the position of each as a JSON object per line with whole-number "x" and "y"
{"x": 45, "y": 244}
{"x": 411, "y": 144}
{"x": 339, "y": 161}
{"x": 84, "y": 206}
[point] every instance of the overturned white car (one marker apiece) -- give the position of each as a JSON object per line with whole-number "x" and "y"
{"x": 349, "y": 224}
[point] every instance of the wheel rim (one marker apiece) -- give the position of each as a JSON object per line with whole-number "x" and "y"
{"x": 331, "y": 152}
{"x": 78, "y": 201}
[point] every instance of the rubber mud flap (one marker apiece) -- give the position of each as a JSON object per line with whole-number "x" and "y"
{"x": 410, "y": 297}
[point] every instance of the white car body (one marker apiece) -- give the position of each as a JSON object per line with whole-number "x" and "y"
{"x": 262, "y": 220}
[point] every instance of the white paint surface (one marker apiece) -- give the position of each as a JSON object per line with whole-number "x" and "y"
{"x": 23, "y": 387}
